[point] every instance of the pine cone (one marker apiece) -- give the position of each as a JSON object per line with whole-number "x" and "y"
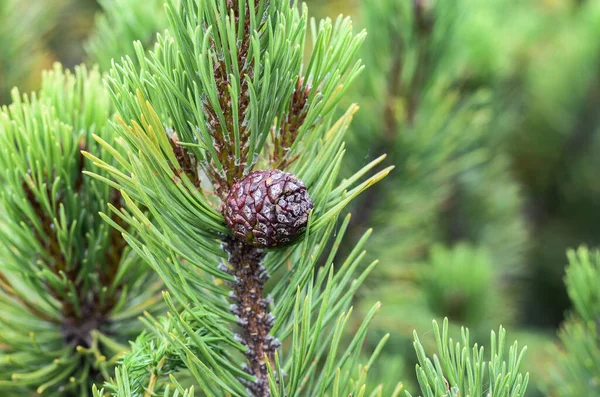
{"x": 268, "y": 208}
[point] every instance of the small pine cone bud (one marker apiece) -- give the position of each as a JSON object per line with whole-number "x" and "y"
{"x": 268, "y": 208}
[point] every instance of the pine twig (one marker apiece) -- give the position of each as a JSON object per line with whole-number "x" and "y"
{"x": 153, "y": 378}
{"x": 251, "y": 308}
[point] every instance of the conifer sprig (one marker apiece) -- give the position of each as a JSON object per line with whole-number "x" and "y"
{"x": 462, "y": 370}
{"x": 452, "y": 197}
{"x": 70, "y": 289}
{"x": 224, "y": 93}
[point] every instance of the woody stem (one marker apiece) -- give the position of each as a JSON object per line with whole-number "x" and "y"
{"x": 252, "y": 310}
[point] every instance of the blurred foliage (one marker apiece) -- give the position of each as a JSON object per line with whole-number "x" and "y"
{"x": 554, "y": 144}
{"x": 448, "y": 221}
{"x": 23, "y": 27}
{"x": 122, "y": 23}
{"x": 473, "y": 102}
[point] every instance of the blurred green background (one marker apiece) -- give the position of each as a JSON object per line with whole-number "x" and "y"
{"x": 490, "y": 111}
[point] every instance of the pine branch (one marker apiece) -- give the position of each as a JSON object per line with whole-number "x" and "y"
{"x": 463, "y": 370}
{"x": 231, "y": 138}
{"x": 66, "y": 276}
{"x": 401, "y": 97}
{"x": 232, "y": 173}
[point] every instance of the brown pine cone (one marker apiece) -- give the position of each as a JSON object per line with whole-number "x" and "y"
{"x": 268, "y": 208}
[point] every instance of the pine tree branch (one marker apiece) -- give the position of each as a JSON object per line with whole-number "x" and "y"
{"x": 372, "y": 197}
{"x": 226, "y": 77}
{"x": 66, "y": 273}
{"x": 90, "y": 313}
{"x": 460, "y": 369}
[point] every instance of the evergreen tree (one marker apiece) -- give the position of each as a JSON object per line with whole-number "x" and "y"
{"x": 70, "y": 289}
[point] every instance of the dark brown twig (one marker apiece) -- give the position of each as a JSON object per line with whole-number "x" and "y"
{"x": 292, "y": 121}
{"x": 251, "y": 309}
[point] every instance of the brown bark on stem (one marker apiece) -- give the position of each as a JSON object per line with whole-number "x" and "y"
{"x": 252, "y": 310}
